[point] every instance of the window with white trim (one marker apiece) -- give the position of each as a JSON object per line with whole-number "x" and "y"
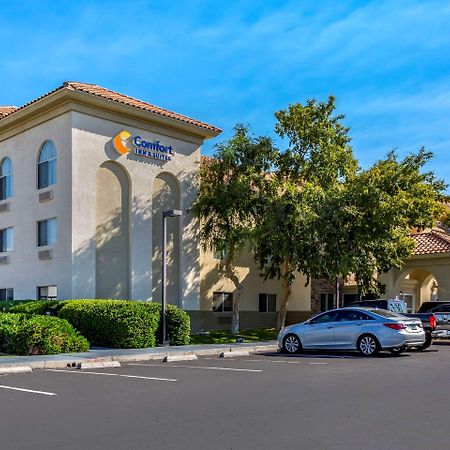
{"x": 47, "y": 165}
{"x": 267, "y": 302}
{"x": 47, "y": 292}
{"x": 6, "y": 239}
{"x": 6, "y": 179}
{"x": 46, "y": 232}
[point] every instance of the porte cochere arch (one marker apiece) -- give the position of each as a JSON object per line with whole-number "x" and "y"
{"x": 426, "y": 275}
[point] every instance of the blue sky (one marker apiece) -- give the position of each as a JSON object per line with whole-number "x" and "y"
{"x": 225, "y": 61}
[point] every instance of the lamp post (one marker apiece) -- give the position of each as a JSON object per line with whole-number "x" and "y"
{"x": 166, "y": 214}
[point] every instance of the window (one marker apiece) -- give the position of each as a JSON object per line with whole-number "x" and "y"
{"x": 441, "y": 308}
{"x": 47, "y": 293}
{"x": 6, "y": 179}
{"x": 6, "y": 239}
{"x": 326, "y": 302}
{"x": 6, "y": 295}
{"x": 352, "y": 315}
{"x": 47, "y": 165}
{"x": 325, "y": 318}
{"x": 220, "y": 254}
{"x": 46, "y": 232}
{"x": 267, "y": 302}
{"x": 222, "y": 301}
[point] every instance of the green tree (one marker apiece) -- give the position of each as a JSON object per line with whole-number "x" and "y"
{"x": 326, "y": 218}
{"x": 377, "y": 211}
{"x": 229, "y": 200}
{"x": 315, "y": 166}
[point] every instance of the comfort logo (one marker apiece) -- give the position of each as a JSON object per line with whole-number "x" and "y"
{"x": 121, "y": 142}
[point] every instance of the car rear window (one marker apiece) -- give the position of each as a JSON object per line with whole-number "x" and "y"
{"x": 386, "y": 313}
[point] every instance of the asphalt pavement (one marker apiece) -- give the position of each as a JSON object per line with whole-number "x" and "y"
{"x": 262, "y": 401}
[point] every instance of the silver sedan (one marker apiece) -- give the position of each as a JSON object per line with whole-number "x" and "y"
{"x": 367, "y": 330}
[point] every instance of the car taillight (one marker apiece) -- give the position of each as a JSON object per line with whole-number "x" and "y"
{"x": 433, "y": 321}
{"x": 395, "y": 326}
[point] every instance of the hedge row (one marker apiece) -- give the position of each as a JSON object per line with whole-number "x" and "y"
{"x": 115, "y": 323}
{"x": 21, "y": 334}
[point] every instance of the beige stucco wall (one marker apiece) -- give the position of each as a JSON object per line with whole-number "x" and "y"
{"x": 213, "y": 281}
{"x": 416, "y": 277}
{"x": 25, "y": 271}
{"x": 92, "y": 146}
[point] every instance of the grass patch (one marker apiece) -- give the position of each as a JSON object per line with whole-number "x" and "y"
{"x": 225, "y": 336}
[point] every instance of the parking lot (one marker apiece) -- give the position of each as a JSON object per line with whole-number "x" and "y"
{"x": 314, "y": 401}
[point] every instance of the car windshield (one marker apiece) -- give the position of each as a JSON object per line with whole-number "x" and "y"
{"x": 386, "y": 313}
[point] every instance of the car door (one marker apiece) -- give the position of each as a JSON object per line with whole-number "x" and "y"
{"x": 318, "y": 332}
{"x": 349, "y": 324}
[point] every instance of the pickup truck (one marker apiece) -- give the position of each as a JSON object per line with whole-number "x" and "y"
{"x": 442, "y": 312}
{"x": 428, "y": 319}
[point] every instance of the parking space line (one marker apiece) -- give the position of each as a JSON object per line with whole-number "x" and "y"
{"x": 229, "y": 369}
{"x": 268, "y": 360}
{"x": 113, "y": 375}
{"x": 30, "y": 391}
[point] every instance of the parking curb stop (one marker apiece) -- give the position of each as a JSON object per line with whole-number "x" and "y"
{"x": 15, "y": 369}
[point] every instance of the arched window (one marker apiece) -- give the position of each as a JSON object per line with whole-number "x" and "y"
{"x": 47, "y": 165}
{"x": 6, "y": 179}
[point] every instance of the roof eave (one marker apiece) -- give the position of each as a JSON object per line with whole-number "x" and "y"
{"x": 64, "y": 95}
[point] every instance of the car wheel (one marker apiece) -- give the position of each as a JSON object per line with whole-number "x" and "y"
{"x": 368, "y": 345}
{"x": 292, "y": 344}
{"x": 398, "y": 350}
{"x": 428, "y": 342}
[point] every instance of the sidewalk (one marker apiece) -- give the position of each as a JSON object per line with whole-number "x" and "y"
{"x": 101, "y": 355}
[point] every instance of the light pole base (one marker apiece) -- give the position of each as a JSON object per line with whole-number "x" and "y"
{"x": 164, "y": 344}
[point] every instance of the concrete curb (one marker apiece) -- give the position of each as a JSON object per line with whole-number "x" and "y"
{"x": 15, "y": 369}
{"x": 84, "y": 360}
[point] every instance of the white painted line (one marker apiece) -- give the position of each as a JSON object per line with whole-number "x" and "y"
{"x": 317, "y": 364}
{"x": 112, "y": 375}
{"x": 28, "y": 390}
{"x": 266, "y": 360}
{"x": 231, "y": 369}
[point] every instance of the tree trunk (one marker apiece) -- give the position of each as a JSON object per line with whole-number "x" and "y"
{"x": 231, "y": 273}
{"x": 286, "y": 293}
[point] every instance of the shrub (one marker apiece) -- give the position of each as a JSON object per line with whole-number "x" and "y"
{"x": 113, "y": 323}
{"x": 37, "y": 307}
{"x": 38, "y": 335}
{"x": 178, "y": 324}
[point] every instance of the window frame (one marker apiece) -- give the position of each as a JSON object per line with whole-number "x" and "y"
{"x": 313, "y": 321}
{"x": 9, "y": 180}
{"x": 221, "y": 307}
{"x": 333, "y": 301}
{"x": 47, "y": 243}
{"x": 51, "y": 162}
{"x": 47, "y": 297}
{"x": 267, "y": 309}
{"x": 3, "y": 240}
{"x": 6, "y": 294}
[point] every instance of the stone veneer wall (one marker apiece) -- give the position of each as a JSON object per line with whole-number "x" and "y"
{"x": 323, "y": 286}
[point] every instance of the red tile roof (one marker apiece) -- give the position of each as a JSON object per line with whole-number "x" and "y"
{"x": 5, "y": 110}
{"x": 429, "y": 242}
{"x": 116, "y": 97}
